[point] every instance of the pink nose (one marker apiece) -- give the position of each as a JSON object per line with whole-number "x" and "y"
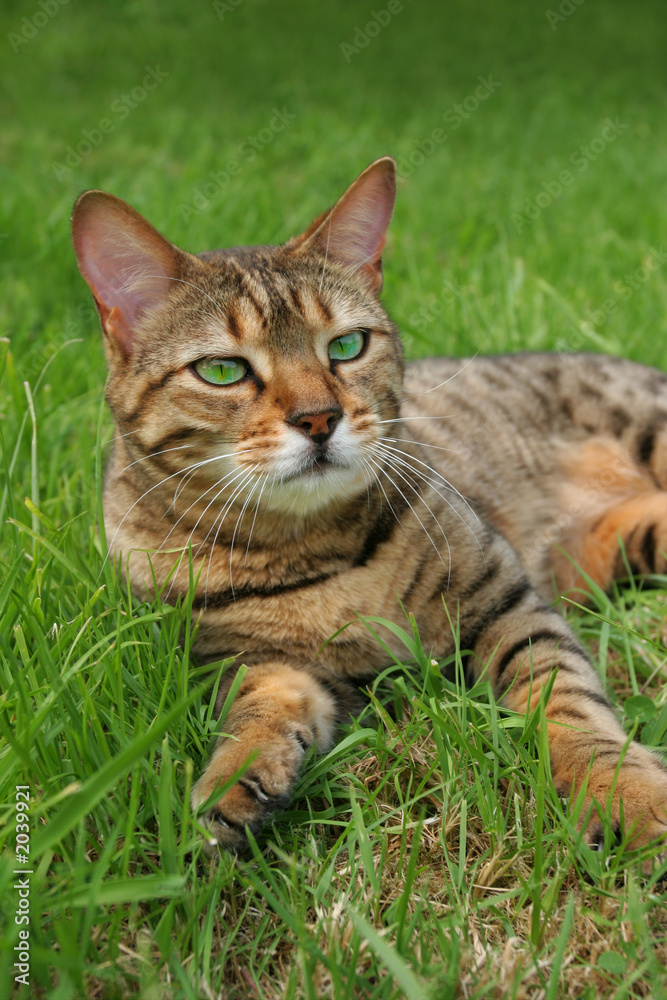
{"x": 318, "y": 426}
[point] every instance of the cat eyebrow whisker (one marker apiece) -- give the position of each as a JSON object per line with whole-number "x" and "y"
{"x": 447, "y": 380}
{"x": 448, "y": 566}
{"x": 349, "y": 272}
{"x": 182, "y": 281}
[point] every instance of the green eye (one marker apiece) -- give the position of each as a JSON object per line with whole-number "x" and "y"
{"x": 347, "y": 347}
{"x": 221, "y": 371}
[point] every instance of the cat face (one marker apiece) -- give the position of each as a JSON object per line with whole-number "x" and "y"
{"x": 273, "y": 367}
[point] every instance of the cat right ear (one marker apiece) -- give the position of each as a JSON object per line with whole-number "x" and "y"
{"x": 353, "y": 231}
{"x": 128, "y": 265}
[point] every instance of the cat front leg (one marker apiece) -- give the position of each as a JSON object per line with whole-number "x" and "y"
{"x": 278, "y": 713}
{"x": 509, "y": 627}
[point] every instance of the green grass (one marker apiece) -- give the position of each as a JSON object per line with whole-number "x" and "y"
{"x": 427, "y": 855}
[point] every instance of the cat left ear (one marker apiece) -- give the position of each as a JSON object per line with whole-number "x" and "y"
{"x": 128, "y": 265}
{"x": 354, "y": 230}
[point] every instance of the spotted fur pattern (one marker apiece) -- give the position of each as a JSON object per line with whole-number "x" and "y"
{"x": 313, "y": 491}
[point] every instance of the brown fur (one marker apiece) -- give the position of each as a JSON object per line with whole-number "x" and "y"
{"x": 553, "y": 454}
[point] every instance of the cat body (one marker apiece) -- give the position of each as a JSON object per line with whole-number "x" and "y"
{"x": 269, "y": 440}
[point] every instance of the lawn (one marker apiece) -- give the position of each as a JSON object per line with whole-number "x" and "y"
{"x": 427, "y": 856}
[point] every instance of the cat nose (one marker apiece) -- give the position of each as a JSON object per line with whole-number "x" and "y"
{"x": 318, "y": 426}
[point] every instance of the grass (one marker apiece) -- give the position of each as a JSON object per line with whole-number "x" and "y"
{"x": 427, "y": 855}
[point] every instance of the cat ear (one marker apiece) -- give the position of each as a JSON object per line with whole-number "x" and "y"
{"x": 126, "y": 262}
{"x": 353, "y": 231}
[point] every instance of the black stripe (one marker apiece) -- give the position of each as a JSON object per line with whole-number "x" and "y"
{"x": 233, "y": 323}
{"x": 490, "y": 573}
{"x": 149, "y": 391}
{"x": 530, "y": 678}
{"x": 417, "y": 577}
{"x": 564, "y": 642}
{"x": 618, "y": 420}
{"x": 180, "y": 434}
{"x": 601, "y": 754}
{"x": 220, "y": 598}
{"x": 296, "y": 299}
{"x": 648, "y": 548}
{"x": 493, "y": 612}
{"x": 381, "y": 530}
{"x": 647, "y": 439}
{"x": 572, "y": 713}
{"x": 326, "y": 312}
{"x": 258, "y": 309}
{"x": 580, "y": 692}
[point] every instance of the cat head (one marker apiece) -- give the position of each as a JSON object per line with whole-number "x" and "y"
{"x": 278, "y": 361}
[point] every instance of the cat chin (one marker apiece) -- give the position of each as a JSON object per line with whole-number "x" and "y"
{"x": 308, "y": 493}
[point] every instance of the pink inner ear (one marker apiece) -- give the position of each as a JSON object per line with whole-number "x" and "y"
{"x": 126, "y": 262}
{"x": 354, "y": 231}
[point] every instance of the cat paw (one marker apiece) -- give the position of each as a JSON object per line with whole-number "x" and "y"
{"x": 262, "y": 790}
{"x": 639, "y": 808}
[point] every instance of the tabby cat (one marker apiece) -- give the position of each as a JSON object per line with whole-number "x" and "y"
{"x": 265, "y": 434}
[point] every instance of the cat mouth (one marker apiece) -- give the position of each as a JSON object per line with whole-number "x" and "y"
{"x": 317, "y": 465}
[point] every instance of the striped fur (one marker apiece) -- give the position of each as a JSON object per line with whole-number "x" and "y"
{"x": 457, "y": 483}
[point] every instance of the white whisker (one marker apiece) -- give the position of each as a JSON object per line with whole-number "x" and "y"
{"x": 447, "y": 380}
{"x": 424, "y": 529}
{"x": 239, "y": 519}
{"x": 422, "y": 444}
{"x": 222, "y": 516}
{"x": 247, "y": 548}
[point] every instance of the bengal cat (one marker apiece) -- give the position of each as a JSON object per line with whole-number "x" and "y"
{"x": 265, "y": 433}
